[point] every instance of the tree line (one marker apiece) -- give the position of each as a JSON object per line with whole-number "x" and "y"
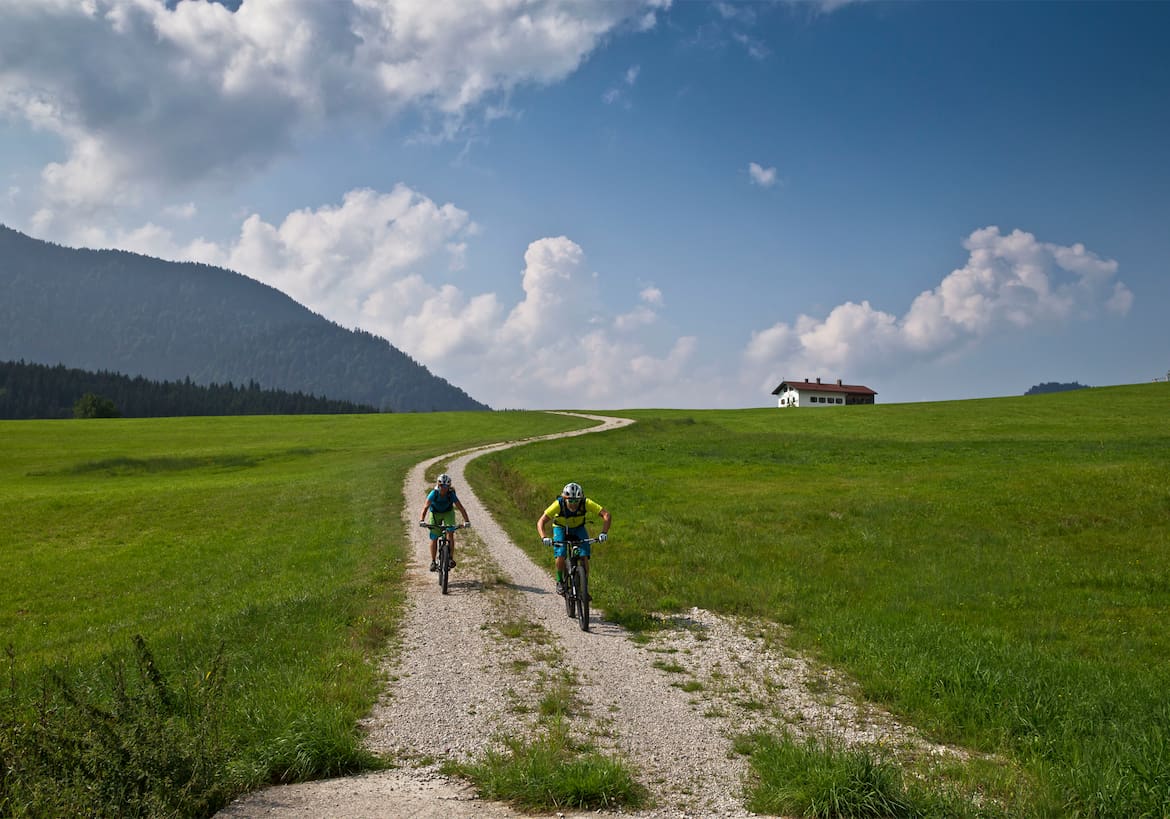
{"x": 42, "y": 391}
{"x": 1056, "y": 386}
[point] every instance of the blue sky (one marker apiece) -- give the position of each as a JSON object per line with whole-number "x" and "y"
{"x": 631, "y": 204}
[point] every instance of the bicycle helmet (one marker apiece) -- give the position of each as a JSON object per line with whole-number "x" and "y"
{"x": 443, "y": 480}
{"x": 573, "y": 491}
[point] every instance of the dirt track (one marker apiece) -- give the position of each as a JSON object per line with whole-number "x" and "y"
{"x": 500, "y": 640}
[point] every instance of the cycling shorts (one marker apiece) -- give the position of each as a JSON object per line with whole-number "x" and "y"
{"x": 574, "y": 533}
{"x": 440, "y": 519}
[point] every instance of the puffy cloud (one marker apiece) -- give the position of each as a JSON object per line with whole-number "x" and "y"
{"x": 148, "y": 93}
{"x": 372, "y": 261}
{"x": 1009, "y": 282}
{"x": 764, "y": 177}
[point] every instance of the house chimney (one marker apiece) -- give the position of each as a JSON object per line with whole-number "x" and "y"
{"x": 838, "y": 382}
{"x": 806, "y": 380}
{"x": 818, "y": 380}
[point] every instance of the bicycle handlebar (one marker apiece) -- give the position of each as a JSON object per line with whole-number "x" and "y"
{"x": 589, "y": 540}
{"x": 443, "y": 526}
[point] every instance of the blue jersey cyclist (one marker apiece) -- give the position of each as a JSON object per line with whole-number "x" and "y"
{"x": 567, "y": 515}
{"x": 439, "y": 510}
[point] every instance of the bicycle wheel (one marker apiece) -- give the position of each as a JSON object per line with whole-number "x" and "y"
{"x": 444, "y": 562}
{"x": 582, "y": 584}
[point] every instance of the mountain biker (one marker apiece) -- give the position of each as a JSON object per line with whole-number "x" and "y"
{"x": 441, "y": 504}
{"x": 567, "y": 515}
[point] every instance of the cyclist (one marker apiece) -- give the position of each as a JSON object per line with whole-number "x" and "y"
{"x": 567, "y": 515}
{"x": 441, "y": 504}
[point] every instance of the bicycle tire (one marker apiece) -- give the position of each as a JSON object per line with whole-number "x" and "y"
{"x": 444, "y": 563}
{"x": 570, "y": 595}
{"x": 582, "y": 585}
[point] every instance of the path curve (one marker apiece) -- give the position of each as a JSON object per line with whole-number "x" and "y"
{"x": 501, "y": 640}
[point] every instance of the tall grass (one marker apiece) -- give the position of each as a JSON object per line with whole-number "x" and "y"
{"x": 995, "y": 571}
{"x": 267, "y": 548}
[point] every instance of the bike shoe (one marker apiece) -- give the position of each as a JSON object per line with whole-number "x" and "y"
{"x": 561, "y": 589}
{"x": 434, "y": 566}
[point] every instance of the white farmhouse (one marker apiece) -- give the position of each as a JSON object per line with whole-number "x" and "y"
{"x": 815, "y": 394}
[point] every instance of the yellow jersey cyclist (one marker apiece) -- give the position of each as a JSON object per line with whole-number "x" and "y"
{"x": 567, "y": 515}
{"x": 440, "y": 506}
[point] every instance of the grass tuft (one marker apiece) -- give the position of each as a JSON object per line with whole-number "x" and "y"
{"x": 817, "y": 780}
{"x": 553, "y": 771}
{"x": 130, "y": 741}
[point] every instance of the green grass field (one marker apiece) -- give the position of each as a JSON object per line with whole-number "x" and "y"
{"x": 995, "y": 571}
{"x": 279, "y": 538}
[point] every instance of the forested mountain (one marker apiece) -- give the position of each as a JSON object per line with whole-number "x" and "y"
{"x": 41, "y": 391}
{"x": 122, "y": 312}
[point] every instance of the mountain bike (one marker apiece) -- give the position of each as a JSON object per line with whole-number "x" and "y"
{"x": 443, "y": 549}
{"x": 577, "y": 586}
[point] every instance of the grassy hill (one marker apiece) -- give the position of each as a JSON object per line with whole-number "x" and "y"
{"x": 995, "y": 571}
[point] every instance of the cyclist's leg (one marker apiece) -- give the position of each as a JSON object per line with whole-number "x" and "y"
{"x": 434, "y": 536}
{"x": 434, "y": 539}
{"x": 559, "y": 553}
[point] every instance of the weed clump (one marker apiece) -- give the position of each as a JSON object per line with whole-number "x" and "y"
{"x": 127, "y": 743}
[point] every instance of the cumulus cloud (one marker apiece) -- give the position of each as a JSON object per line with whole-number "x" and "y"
{"x": 1009, "y": 282}
{"x": 764, "y": 177}
{"x": 147, "y": 93}
{"x": 376, "y": 261}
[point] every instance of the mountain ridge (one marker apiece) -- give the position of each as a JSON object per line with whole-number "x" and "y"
{"x": 133, "y": 314}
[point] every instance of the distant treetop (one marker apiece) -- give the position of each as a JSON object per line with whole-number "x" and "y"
{"x": 1053, "y": 386}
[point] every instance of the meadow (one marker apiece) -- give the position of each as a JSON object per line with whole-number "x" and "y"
{"x": 259, "y": 559}
{"x": 996, "y": 572}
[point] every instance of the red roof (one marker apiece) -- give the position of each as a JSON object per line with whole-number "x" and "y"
{"x": 836, "y": 386}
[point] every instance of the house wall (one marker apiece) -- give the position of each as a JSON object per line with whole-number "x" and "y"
{"x": 813, "y": 398}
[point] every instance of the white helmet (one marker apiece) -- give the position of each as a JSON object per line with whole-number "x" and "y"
{"x": 573, "y": 491}
{"x": 443, "y": 480}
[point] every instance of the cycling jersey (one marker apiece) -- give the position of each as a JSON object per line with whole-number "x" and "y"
{"x": 561, "y": 517}
{"x": 442, "y": 504}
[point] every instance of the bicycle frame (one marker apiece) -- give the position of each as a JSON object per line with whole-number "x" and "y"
{"x": 443, "y": 549}
{"x": 577, "y": 588}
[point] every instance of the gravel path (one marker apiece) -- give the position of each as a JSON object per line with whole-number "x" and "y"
{"x": 473, "y": 666}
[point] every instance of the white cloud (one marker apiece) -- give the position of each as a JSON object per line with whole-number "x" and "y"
{"x": 184, "y": 211}
{"x": 644, "y": 314}
{"x": 146, "y": 96}
{"x": 1010, "y": 282}
{"x": 373, "y": 261}
{"x": 764, "y": 177}
{"x": 618, "y": 92}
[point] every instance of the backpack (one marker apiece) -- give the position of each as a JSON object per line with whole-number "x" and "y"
{"x": 565, "y": 513}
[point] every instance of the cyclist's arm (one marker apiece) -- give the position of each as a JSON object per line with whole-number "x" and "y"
{"x": 596, "y": 508}
{"x": 422, "y": 518}
{"x": 606, "y": 520}
{"x": 541, "y": 524}
{"x": 462, "y": 511}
